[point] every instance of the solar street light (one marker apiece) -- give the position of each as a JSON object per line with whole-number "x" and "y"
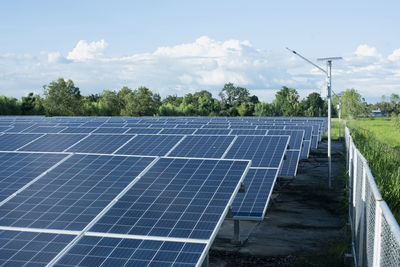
{"x": 328, "y": 73}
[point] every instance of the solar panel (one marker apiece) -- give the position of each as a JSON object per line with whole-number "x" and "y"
{"x": 111, "y": 130}
{"x": 53, "y": 142}
{"x": 305, "y": 150}
{"x": 101, "y": 144}
{"x": 72, "y": 194}
{"x": 4, "y": 128}
{"x": 212, "y": 131}
{"x": 30, "y": 248}
{"x": 190, "y": 126}
{"x": 202, "y": 146}
{"x": 11, "y": 142}
{"x": 248, "y": 132}
{"x": 183, "y": 198}
{"x": 44, "y": 129}
{"x": 290, "y": 164}
{"x": 314, "y": 141}
{"x": 253, "y": 203}
{"x": 17, "y": 128}
{"x": 177, "y": 131}
{"x": 18, "y": 169}
{"x": 263, "y": 151}
{"x": 152, "y": 145}
{"x": 144, "y": 130}
{"x": 78, "y": 130}
{"x": 244, "y": 127}
{"x": 92, "y": 124}
{"x": 108, "y": 251}
{"x": 296, "y": 137}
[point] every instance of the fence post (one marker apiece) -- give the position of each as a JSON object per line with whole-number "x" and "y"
{"x": 378, "y": 234}
{"x": 362, "y": 215}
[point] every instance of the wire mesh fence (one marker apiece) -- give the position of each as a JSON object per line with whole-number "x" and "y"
{"x": 375, "y": 232}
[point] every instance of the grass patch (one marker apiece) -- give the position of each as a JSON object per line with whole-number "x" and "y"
{"x": 379, "y": 142}
{"x": 383, "y": 129}
{"x": 335, "y": 129}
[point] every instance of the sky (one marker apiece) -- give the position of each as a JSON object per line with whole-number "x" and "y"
{"x": 179, "y": 47}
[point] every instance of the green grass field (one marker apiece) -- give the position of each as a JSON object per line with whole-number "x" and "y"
{"x": 382, "y": 128}
{"x": 335, "y": 129}
{"x": 379, "y": 141}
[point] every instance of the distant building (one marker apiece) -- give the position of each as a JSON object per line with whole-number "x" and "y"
{"x": 377, "y": 113}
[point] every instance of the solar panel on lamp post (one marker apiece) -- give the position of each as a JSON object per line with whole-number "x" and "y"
{"x": 328, "y": 73}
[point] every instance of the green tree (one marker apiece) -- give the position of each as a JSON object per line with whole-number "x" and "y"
{"x": 140, "y": 102}
{"x": 234, "y": 96}
{"x": 63, "y": 98}
{"x": 109, "y": 103}
{"x": 313, "y": 106}
{"x": 9, "y": 106}
{"x": 353, "y": 105}
{"x": 263, "y": 109}
{"x": 286, "y": 102}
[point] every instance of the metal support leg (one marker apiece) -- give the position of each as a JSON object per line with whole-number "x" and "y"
{"x": 236, "y": 232}
{"x": 206, "y": 262}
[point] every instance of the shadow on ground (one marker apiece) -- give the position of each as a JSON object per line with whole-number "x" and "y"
{"x": 305, "y": 225}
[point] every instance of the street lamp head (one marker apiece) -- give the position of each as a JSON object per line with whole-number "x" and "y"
{"x": 329, "y": 58}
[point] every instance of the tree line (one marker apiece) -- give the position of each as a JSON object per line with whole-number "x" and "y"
{"x": 63, "y": 98}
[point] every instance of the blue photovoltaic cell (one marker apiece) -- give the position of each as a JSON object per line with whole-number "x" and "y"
{"x": 17, "y": 128}
{"x": 11, "y": 142}
{"x": 289, "y": 165}
{"x": 176, "y": 198}
{"x": 270, "y": 127}
{"x": 216, "y": 126}
{"x": 314, "y": 141}
{"x": 93, "y": 124}
{"x": 151, "y": 145}
{"x": 264, "y": 151}
{"x": 78, "y": 130}
{"x": 244, "y": 127}
{"x": 248, "y": 132}
{"x": 177, "y": 131}
{"x": 44, "y": 129}
{"x": 144, "y": 130}
{"x": 72, "y": 194}
{"x": 296, "y": 137}
{"x": 18, "y": 169}
{"x": 258, "y": 185}
{"x": 30, "y": 248}
{"x": 4, "y": 128}
{"x": 102, "y": 144}
{"x": 190, "y": 126}
{"x": 111, "y": 130}
{"x": 106, "y": 251}
{"x": 53, "y": 142}
{"x": 113, "y": 125}
{"x": 307, "y": 130}
{"x": 139, "y": 125}
{"x": 305, "y": 150}
{"x": 202, "y": 146}
{"x": 212, "y": 131}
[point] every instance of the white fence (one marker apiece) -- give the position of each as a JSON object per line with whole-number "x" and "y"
{"x": 375, "y": 232}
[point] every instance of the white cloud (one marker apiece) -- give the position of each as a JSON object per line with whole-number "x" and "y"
{"x": 366, "y": 51}
{"x": 86, "y": 51}
{"x": 202, "y": 64}
{"x": 395, "y": 56}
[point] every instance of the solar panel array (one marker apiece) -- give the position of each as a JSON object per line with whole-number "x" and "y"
{"x": 137, "y": 191}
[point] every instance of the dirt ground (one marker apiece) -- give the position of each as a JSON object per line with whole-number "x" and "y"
{"x": 305, "y": 224}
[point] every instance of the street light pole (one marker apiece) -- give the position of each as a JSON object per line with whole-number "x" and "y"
{"x": 340, "y": 114}
{"x": 328, "y": 73}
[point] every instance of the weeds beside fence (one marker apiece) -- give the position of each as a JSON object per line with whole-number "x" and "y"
{"x": 375, "y": 232}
